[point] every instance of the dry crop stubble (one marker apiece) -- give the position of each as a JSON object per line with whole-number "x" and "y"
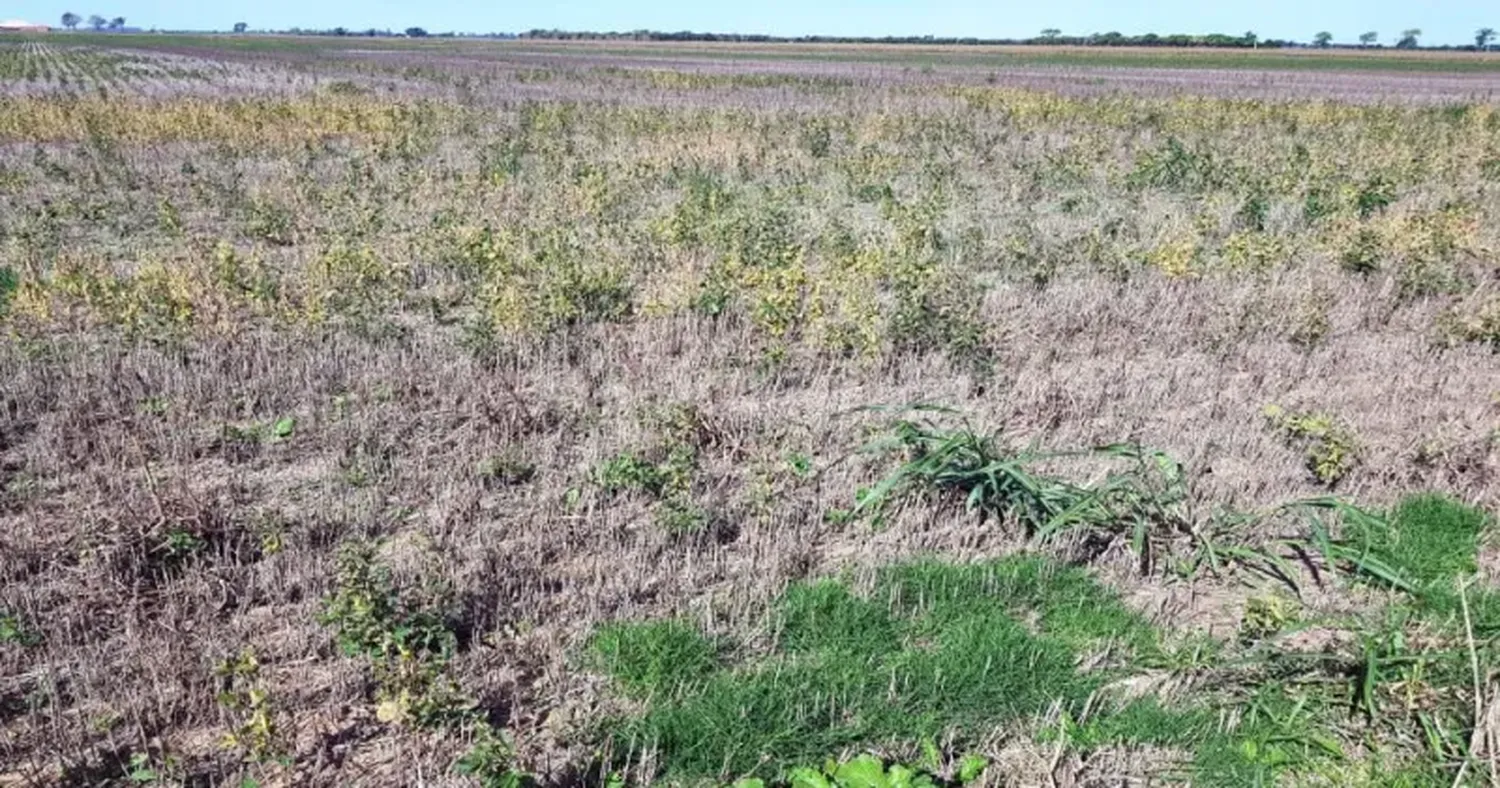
{"x": 242, "y": 333}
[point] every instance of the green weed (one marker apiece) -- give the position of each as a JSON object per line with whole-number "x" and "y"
{"x": 1373, "y": 195}
{"x": 666, "y": 472}
{"x": 1142, "y": 501}
{"x": 1363, "y": 253}
{"x": 626, "y": 472}
{"x": 1173, "y": 165}
{"x": 10, "y": 282}
{"x": 407, "y": 643}
{"x": 507, "y": 469}
{"x": 14, "y": 630}
{"x": 242, "y": 694}
{"x": 1332, "y": 450}
{"x": 490, "y": 761}
{"x": 865, "y": 771}
{"x": 271, "y": 222}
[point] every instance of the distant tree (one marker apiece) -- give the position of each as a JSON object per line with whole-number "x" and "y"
{"x": 1250, "y": 38}
{"x": 1366, "y": 39}
{"x": 240, "y": 27}
{"x": 1051, "y": 33}
{"x": 1483, "y": 36}
{"x": 97, "y": 22}
{"x": 118, "y": 23}
{"x": 1408, "y": 39}
{"x": 415, "y": 32}
{"x": 341, "y": 31}
{"x": 1322, "y": 40}
{"x": 70, "y": 20}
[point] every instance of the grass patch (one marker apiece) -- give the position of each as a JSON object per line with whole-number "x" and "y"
{"x": 654, "y": 658}
{"x": 1432, "y": 544}
{"x": 936, "y": 652}
{"x": 931, "y": 649}
{"x": 1431, "y": 538}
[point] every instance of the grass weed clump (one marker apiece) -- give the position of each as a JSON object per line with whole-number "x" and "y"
{"x": 1143, "y": 500}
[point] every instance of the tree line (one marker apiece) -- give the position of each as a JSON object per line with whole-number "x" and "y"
{"x": 71, "y": 21}
{"x": 1484, "y": 39}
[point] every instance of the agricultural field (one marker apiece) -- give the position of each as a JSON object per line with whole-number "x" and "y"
{"x": 518, "y": 413}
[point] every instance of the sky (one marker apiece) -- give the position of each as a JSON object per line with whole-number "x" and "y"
{"x": 1443, "y": 21}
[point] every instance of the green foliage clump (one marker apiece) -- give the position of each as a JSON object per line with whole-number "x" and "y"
{"x": 699, "y": 216}
{"x": 1374, "y": 195}
{"x": 666, "y": 471}
{"x": 408, "y": 644}
{"x": 9, "y": 284}
{"x": 867, "y": 771}
{"x": 353, "y": 282}
{"x": 627, "y": 471}
{"x": 15, "y": 630}
{"x": 1331, "y": 448}
{"x": 1175, "y": 166}
{"x": 242, "y": 694}
{"x": 541, "y": 281}
{"x": 490, "y": 761}
{"x": 1363, "y": 252}
{"x": 271, "y": 222}
{"x": 1143, "y": 500}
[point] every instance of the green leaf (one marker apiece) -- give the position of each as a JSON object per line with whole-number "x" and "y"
{"x": 971, "y": 767}
{"x": 284, "y": 428}
{"x": 141, "y": 772}
{"x": 749, "y": 782}
{"x": 809, "y": 778}
{"x": 932, "y": 758}
{"x": 903, "y": 777}
{"x": 866, "y": 771}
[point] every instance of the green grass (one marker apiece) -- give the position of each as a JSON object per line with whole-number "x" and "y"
{"x": 930, "y": 649}
{"x": 654, "y": 658}
{"x": 1432, "y": 543}
{"x": 1431, "y": 538}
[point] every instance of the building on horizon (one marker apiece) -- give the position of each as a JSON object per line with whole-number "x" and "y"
{"x": 18, "y": 26}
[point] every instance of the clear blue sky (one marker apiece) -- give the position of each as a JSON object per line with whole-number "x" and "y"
{"x": 1444, "y": 21}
